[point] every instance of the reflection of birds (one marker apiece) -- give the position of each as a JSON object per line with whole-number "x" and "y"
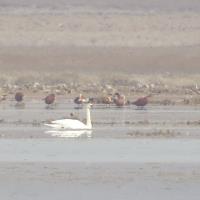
{"x": 80, "y": 99}
{"x": 73, "y": 123}
{"x": 141, "y": 102}
{"x": 50, "y": 99}
{"x": 19, "y": 96}
{"x": 119, "y": 99}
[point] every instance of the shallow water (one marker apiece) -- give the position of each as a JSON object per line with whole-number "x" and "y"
{"x": 137, "y": 135}
{"x": 108, "y": 121}
{"x": 145, "y": 154}
{"x": 100, "y": 150}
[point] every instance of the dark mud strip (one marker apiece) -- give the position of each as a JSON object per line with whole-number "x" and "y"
{"x": 99, "y": 60}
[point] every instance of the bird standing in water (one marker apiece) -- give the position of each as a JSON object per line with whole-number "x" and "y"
{"x": 80, "y": 100}
{"x": 119, "y": 99}
{"x": 142, "y": 101}
{"x": 19, "y": 96}
{"x": 49, "y": 100}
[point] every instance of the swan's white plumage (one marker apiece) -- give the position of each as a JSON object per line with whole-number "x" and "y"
{"x": 72, "y": 123}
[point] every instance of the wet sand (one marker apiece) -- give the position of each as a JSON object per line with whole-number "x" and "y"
{"x": 74, "y": 169}
{"x": 23, "y": 181}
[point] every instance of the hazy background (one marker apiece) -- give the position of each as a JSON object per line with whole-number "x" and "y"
{"x": 129, "y": 36}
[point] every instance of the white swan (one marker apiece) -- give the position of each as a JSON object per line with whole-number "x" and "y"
{"x": 73, "y": 124}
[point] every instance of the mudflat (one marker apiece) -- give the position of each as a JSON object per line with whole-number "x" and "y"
{"x": 100, "y": 60}
{"x": 44, "y": 180}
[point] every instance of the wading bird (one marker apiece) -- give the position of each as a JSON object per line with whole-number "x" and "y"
{"x": 119, "y": 99}
{"x": 141, "y": 102}
{"x": 49, "y": 100}
{"x": 80, "y": 99}
{"x": 19, "y": 96}
{"x": 107, "y": 100}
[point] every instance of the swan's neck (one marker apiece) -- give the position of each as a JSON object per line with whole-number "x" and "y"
{"x": 88, "y": 117}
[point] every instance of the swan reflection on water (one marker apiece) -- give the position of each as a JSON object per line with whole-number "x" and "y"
{"x": 70, "y": 133}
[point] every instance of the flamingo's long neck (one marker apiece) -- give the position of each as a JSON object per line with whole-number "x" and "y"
{"x": 88, "y": 123}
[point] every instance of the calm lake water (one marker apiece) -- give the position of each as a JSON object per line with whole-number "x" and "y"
{"x": 108, "y": 122}
{"x": 145, "y": 154}
{"x": 100, "y": 150}
{"x": 153, "y": 134}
